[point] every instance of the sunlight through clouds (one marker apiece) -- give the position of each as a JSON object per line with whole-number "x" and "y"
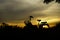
{"x": 15, "y": 11}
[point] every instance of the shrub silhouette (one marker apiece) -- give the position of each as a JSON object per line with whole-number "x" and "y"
{"x": 6, "y": 29}
{"x": 17, "y": 31}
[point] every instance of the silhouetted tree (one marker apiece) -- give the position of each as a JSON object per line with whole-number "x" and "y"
{"x": 58, "y": 1}
{"x": 4, "y": 24}
{"x": 48, "y": 1}
{"x": 15, "y": 30}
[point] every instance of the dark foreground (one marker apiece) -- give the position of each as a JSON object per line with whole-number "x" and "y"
{"x": 30, "y": 31}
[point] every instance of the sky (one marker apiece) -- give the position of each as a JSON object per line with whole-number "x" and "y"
{"x": 16, "y": 11}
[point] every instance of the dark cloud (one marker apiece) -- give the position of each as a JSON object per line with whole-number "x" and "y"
{"x": 2, "y": 1}
{"x": 10, "y": 10}
{"x": 14, "y": 10}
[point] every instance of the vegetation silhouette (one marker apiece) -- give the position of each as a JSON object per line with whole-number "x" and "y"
{"x": 48, "y": 1}
{"x": 6, "y": 29}
{"x": 58, "y": 1}
{"x": 15, "y": 30}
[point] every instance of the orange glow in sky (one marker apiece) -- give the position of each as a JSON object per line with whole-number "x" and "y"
{"x": 51, "y": 22}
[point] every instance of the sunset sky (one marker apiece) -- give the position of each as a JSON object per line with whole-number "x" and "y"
{"x": 14, "y": 12}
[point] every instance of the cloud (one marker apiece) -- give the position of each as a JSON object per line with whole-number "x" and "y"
{"x": 14, "y": 10}
{"x": 53, "y": 10}
{"x": 11, "y": 9}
